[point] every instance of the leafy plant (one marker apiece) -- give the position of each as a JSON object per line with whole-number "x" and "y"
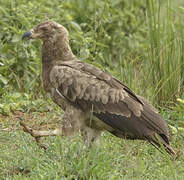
{"x": 141, "y": 44}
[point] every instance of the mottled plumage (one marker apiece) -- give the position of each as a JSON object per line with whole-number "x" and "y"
{"x": 92, "y": 100}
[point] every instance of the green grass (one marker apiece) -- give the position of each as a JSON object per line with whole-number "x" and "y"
{"x": 68, "y": 158}
{"x": 166, "y": 46}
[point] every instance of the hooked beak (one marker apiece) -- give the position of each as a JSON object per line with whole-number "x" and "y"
{"x": 27, "y": 35}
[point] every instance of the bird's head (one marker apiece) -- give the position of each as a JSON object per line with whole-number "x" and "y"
{"x": 46, "y": 30}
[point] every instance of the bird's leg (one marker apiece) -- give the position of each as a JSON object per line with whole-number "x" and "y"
{"x": 89, "y": 135}
{"x": 37, "y": 134}
{"x": 71, "y": 123}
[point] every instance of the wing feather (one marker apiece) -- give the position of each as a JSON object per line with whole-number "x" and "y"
{"x": 91, "y": 89}
{"x": 97, "y": 88}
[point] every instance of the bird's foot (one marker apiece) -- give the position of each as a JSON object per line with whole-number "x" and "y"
{"x": 34, "y": 133}
{"x": 29, "y": 130}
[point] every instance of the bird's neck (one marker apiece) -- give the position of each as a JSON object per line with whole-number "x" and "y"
{"x": 56, "y": 50}
{"x": 54, "y": 53}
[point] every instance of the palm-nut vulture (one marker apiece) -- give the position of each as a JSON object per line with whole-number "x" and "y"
{"x": 92, "y": 100}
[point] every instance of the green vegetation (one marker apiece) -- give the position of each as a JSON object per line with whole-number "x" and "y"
{"x": 68, "y": 158}
{"x": 140, "y": 42}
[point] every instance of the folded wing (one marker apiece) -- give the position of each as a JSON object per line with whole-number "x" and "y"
{"x": 91, "y": 89}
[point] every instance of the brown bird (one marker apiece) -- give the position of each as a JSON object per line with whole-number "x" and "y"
{"x": 92, "y": 100}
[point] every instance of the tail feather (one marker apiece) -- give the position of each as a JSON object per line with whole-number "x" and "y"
{"x": 148, "y": 126}
{"x": 158, "y": 141}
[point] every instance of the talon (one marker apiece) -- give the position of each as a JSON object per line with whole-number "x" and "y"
{"x": 28, "y": 129}
{"x": 33, "y": 133}
{"x": 37, "y": 139}
{"x": 19, "y": 118}
{"x": 24, "y": 129}
{"x": 43, "y": 146}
